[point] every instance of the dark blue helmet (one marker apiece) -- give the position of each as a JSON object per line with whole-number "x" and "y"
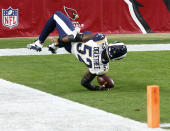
{"x": 116, "y": 51}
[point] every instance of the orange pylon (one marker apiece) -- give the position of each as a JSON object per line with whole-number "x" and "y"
{"x": 153, "y": 106}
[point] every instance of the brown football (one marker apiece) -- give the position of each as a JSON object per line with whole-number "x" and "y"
{"x": 105, "y": 80}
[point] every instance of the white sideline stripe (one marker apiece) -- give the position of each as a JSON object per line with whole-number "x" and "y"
{"x": 165, "y": 125}
{"x": 149, "y": 47}
{"x": 26, "y": 109}
{"x": 25, "y": 51}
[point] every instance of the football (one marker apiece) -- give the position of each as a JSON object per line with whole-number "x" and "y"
{"x": 105, "y": 80}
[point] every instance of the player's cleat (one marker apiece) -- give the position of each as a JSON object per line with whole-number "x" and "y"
{"x": 35, "y": 46}
{"x": 53, "y": 48}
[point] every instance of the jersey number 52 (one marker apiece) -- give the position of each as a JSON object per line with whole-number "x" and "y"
{"x": 84, "y": 51}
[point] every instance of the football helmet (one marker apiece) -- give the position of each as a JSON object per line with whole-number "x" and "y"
{"x": 116, "y": 51}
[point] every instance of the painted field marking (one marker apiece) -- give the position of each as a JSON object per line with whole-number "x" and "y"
{"x": 25, "y": 51}
{"x": 26, "y": 109}
{"x": 149, "y": 47}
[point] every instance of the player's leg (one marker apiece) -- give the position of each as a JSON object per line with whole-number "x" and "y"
{"x": 65, "y": 30}
{"x": 64, "y": 26}
{"x": 48, "y": 28}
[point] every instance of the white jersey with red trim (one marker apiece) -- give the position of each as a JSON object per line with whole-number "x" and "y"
{"x": 90, "y": 53}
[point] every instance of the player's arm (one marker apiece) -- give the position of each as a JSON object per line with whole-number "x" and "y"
{"x": 59, "y": 42}
{"x": 87, "y": 82}
{"x": 79, "y": 38}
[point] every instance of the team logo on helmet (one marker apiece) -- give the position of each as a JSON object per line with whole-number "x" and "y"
{"x": 71, "y": 13}
{"x": 10, "y": 17}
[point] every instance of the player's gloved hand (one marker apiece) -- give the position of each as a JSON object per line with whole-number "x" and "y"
{"x": 35, "y": 46}
{"x": 53, "y": 48}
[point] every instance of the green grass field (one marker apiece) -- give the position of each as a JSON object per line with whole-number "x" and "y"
{"x": 61, "y": 74}
{"x": 128, "y": 39}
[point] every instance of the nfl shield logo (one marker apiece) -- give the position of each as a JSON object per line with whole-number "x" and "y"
{"x": 10, "y": 17}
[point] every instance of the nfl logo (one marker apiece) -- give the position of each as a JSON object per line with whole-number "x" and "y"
{"x": 10, "y": 17}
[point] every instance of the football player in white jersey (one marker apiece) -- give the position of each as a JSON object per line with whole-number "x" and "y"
{"x": 90, "y": 53}
{"x": 92, "y": 50}
{"x": 96, "y": 54}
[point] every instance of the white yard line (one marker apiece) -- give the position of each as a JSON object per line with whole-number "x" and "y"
{"x": 25, "y": 51}
{"x": 26, "y": 109}
{"x": 149, "y": 47}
